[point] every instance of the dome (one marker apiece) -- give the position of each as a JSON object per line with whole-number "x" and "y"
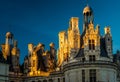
{"x": 87, "y": 9}
{"x": 9, "y": 35}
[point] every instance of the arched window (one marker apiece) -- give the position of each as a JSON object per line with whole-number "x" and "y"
{"x": 91, "y": 44}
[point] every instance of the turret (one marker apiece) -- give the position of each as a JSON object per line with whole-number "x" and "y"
{"x": 52, "y": 50}
{"x": 108, "y": 42}
{"x": 30, "y": 48}
{"x": 74, "y": 33}
{"x": 88, "y": 17}
{"x": 62, "y": 35}
{"x": 26, "y": 65}
{"x": 15, "y": 53}
{"x": 9, "y": 38}
{"x": 73, "y": 23}
{"x": 90, "y": 39}
{"x": 15, "y": 50}
{"x": 9, "y": 43}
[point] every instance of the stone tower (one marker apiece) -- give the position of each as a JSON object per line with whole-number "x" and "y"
{"x": 62, "y": 44}
{"x": 108, "y": 41}
{"x": 15, "y": 57}
{"x": 69, "y": 42}
{"x": 88, "y": 17}
{"x": 90, "y": 37}
{"x": 8, "y": 44}
{"x": 73, "y": 35}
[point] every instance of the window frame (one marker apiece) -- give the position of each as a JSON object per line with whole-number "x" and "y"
{"x": 91, "y": 44}
{"x": 92, "y": 75}
{"x": 92, "y": 58}
{"x": 83, "y": 75}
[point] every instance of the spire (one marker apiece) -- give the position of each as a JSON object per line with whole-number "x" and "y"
{"x": 15, "y": 43}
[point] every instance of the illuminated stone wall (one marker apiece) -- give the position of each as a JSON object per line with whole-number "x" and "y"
{"x": 40, "y": 62}
{"x": 79, "y": 57}
{"x": 69, "y": 42}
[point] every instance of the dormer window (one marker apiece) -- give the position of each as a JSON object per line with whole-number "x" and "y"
{"x": 91, "y": 44}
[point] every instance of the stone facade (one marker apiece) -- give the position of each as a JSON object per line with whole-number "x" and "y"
{"x": 10, "y": 55}
{"x": 4, "y": 72}
{"x": 39, "y": 62}
{"x": 81, "y": 57}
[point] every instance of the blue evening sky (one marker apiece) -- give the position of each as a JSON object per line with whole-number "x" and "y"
{"x": 34, "y": 21}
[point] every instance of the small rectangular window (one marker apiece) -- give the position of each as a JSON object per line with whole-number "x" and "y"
{"x": 91, "y": 44}
{"x": 92, "y": 58}
{"x": 83, "y": 75}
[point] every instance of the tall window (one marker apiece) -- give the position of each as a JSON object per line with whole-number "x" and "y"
{"x": 83, "y": 75}
{"x": 92, "y": 58}
{"x": 58, "y": 79}
{"x": 91, "y": 44}
{"x": 63, "y": 79}
{"x": 92, "y": 75}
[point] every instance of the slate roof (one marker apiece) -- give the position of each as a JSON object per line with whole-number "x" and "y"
{"x": 80, "y": 53}
{"x": 103, "y": 52}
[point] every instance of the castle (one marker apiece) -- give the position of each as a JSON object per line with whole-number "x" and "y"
{"x": 82, "y": 56}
